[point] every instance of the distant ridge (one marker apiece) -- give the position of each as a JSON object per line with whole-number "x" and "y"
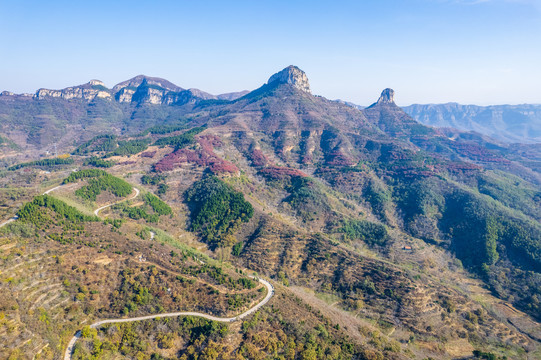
{"x": 140, "y": 89}
{"x": 507, "y": 123}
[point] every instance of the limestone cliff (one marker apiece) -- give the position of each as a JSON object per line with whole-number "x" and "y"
{"x": 89, "y": 91}
{"x": 291, "y": 75}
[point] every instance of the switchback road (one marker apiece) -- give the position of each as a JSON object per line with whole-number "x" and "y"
{"x": 270, "y": 293}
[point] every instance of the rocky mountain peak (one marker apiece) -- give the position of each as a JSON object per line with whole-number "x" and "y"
{"x": 135, "y": 82}
{"x": 291, "y": 75}
{"x": 386, "y": 97}
{"x": 95, "y": 82}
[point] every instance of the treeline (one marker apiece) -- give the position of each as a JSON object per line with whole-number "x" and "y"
{"x": 97, "y": 162}
{"x": 84, "y": 174}
{"x": 200, "y": 338}
{"x": 44, "y": 162}
{"x": 107, "y": 182}
{"x": 182, "y": 140}
{"x": 129, "y": 147}
{"x": 32, "y": 212}
{"x": 112, "y": 146}
{"x": 217, "y": 211}
{"x": 103, "y": 143}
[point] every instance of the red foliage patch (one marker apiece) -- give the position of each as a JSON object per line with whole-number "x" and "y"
{"x": 209, "y": 142}
{"x": 203, "y": 157}
{"x": 337, "y": 158}
{"x": 258, "y": 158}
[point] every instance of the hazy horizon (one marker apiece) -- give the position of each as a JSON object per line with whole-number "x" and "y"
{"x": 429, "y": 51}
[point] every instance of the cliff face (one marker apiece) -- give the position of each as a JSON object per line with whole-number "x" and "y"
{"x": 139, "y": 90}
{"x": 89, "y": 91}
{"x": 137, "y": 81}
{"x": 291, "y": 75}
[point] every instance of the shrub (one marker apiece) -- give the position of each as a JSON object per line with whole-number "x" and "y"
{"x": 84, "y": 174}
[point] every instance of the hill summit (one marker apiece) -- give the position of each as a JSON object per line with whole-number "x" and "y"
{"x": 387, "y": 97}
{"x": 291, "y": 75}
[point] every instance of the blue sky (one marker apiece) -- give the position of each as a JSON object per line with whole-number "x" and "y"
{"x": 429, "y": 51}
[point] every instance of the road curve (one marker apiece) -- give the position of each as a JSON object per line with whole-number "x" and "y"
{"x": 106, "y": 206}
{"x": 15, "y": 217}
{"x": 9, "y": 221}
{"x": 71, "y": 344}
{"x": 65, "y": 185}
{"x": 53, "y": 189}
{"x": 270, "y": 293}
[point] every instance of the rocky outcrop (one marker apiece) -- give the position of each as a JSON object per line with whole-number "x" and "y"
{"x": 137, "y": 81}
{"x": 291, "y": 75}
{"x": 387, "y": 97}
{"x": 386, "y": 100}
{"x": 89, "y": 91}
{"x": 125, "y": 95}
{"x": 143, "y": 89}
{"x": 390, "y": 118}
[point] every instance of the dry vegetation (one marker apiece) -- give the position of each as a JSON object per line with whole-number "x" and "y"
{"x": 331, "y": 240}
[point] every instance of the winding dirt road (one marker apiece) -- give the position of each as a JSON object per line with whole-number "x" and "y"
{"x": 106, "y": 206}
{"x": 71, "y": 344}
{"x": 270, "y": 293}
{"x": 96, "y": 212}
{"x": 16, "y": 217}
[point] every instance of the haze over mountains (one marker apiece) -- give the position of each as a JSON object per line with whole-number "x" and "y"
{"x": 139, "y": 89}
{"x": 506, "y": 123}
{"x": 385, "y": 238}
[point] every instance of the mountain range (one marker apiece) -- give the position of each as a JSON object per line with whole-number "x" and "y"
{"x": 506, "y": 123}
{"x": 140, "y": 89}
{"x": 385, "y": 238}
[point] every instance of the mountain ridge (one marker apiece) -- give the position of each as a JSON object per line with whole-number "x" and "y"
{"x": 430, "y": 237}
{"x": 508, "y": 123}
{"x": 146, "y": 89}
